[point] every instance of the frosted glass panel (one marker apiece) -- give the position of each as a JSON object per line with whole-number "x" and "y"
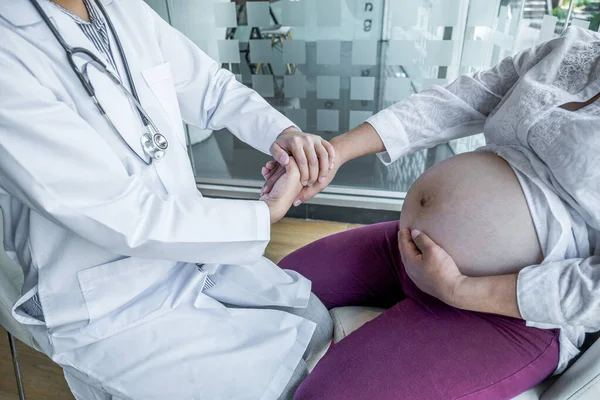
{"x": 445, "y": 13}
{"x": 439, "y": 52}
{"x": 260, "y": 51}
{"x": 263, "y": 84}
{"x": 225, "y": 15}
{"x": 330, "y": 64}
{"x": 362, "y": 88}
{"x": 328, "y": 120}
{"x": 402, "y": 52}
{"x": 229, "y": 51}
{"x": 294, "y": 86}
{"x": 364, "y": 52}
{"x": 358, "y": 117}
{"x": 328, "y": 52}
{"x": 404, "y": 13}
{"x": 293, "y": 13}
{"x": 298, "y": 116}
{"x": 397, "y": 89}
{"x": 328, "y": 87}
{"x": 329, "y": 13}
{"x": 294, "y": 51}
{"x": 258, "y": 13}
{"x": 474, "y": 53}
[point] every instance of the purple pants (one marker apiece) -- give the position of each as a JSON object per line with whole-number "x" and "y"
{"x": 420, "y": 348}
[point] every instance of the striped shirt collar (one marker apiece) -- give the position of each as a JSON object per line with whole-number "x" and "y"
{"x": 96, "y": 18}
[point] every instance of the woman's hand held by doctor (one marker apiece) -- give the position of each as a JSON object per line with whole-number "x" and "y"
{"x": 314, "y": 155}
{"x": 284, "y": 192}
{"x": 358, "y": 142}
{"x": 429, "y": 266}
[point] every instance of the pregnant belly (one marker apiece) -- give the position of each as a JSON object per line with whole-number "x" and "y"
{"x": 472, "y": 206}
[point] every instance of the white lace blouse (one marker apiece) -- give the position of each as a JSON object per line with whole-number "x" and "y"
{"x": 555, "y": 154}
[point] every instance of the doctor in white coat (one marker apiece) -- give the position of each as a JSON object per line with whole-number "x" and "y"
{"x": 135, "y": 284}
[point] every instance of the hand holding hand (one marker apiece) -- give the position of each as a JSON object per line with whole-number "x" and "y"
{"x": 284, "y": 191}
{"x": 272, "y": 171}
{"x": 314, "y": 155}
{"x": 429, "y": 266}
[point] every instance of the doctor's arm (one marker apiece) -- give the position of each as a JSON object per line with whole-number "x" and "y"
{"x": 210, "y": 97}
{"x": 55, "y": 163}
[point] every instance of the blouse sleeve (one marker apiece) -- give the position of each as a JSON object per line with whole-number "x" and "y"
{"x": 440, "y": 114}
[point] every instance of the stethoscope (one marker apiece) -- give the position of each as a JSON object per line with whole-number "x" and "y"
{"x": 153, "y": 142}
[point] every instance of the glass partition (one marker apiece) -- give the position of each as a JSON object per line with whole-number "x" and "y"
{"x": 329, "y": 65}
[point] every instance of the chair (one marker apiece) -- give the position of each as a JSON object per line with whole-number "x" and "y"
{"x": 581, "y": 380}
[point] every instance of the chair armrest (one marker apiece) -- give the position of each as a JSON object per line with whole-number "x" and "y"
{"x": 348, "y": 319}
{"x": 581, "y": 381}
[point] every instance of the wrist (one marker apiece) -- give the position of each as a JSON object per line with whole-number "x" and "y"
{"x": 290, "y": 129}
{"x": 457, "y": 292}
{"x": 360, "y": 141}
{"x": 341, "y": 156}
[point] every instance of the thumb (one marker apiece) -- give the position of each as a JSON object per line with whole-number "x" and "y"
{"x": 423, "y": 242}
{"x": 279, "y": 154}
{"x": 306, "y": 194}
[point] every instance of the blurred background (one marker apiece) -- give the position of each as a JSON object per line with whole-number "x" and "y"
{"x": 330, "y": 64}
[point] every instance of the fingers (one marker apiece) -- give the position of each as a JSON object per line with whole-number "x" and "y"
{"x": 313, "y": 164}
{"x": 423, "y": 242}
{"x": 308, "y": 193}
{"x": 407, "y": 245}
{"x": 272, "y": 180}
{"x": 269, "y": 168}
{"x": 302, "y": 162}
{"x": 271, "y": 164}
{"x": 330, "y": 151}
{"x": 279, "y": 154}
{"x": 323, "y": 162}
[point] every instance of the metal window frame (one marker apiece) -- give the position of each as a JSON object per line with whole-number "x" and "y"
{"x": 331, "y": 196}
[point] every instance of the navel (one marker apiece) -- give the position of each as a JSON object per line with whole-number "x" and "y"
{"x": 426, "y": 200}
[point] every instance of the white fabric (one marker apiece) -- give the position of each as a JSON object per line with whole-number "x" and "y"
{"x": 11, "y": 280}
{"x": 554, "y": 154}
{"x": 109, "y": 243}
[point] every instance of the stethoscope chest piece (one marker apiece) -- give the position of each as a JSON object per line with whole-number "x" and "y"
{"x": 154, "y": 144}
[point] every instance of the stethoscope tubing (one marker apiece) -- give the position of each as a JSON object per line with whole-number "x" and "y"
{"x": 83, "y": 77}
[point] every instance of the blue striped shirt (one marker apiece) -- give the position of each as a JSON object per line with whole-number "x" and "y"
{"x": 95, "y": 30}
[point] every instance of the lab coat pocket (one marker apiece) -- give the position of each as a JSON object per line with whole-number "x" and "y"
{"x": 123, "y": 293}
{"x": 160, "y": 81}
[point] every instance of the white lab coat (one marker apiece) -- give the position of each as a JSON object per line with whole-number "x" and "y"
{"x": 110, "y": 244}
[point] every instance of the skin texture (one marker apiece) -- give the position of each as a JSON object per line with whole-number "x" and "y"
{"x": 75, "y": 6}
{"x": 473, "y": 207}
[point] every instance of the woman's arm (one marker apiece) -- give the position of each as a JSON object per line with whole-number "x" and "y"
{"x": 561, "y": 293}
{"x": 489, "y": 294}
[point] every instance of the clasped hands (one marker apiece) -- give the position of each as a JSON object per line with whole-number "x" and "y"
{"x": 306, "y": 164}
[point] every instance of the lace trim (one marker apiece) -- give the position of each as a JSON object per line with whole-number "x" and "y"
{"x": 578, "y": 68}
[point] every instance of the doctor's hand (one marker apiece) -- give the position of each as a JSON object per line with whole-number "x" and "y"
{"x": 314, "y": 155}
{"x": 429, "y": 266}
{"x": 272, "y": 171}
{"x": 284, "y": 191}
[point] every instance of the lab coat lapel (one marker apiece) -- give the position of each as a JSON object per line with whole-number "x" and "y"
{"x": 116, "y": 104}
{"x": 176, "y": 157}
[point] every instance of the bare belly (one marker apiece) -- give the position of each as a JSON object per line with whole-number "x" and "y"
{"x": 472, "y": 205}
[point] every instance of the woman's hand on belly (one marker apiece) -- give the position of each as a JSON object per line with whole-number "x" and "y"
{"x": 428, "y": 265}
{"x": 434, "y": 272}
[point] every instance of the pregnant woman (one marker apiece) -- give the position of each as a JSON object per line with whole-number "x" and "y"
{"x": 492, "y": 276}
